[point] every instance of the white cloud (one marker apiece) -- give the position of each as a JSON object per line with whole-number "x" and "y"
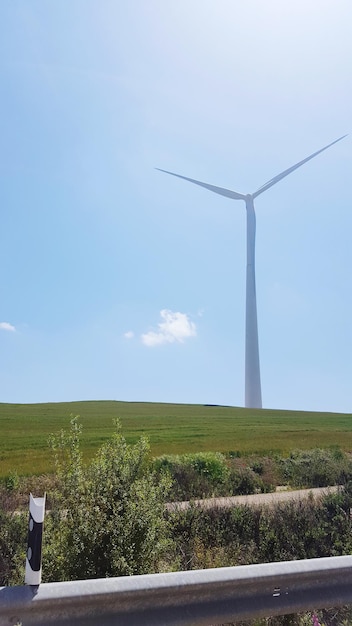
{"x": 174, "y": 326}
{"x": 129, "y": 334}
{"x": 7, "y": 326}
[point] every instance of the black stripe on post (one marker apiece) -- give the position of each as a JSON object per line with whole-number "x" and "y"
{"x": 34, "y": 545}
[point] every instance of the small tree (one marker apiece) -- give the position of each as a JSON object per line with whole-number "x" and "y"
{"x": 108, "y": 517}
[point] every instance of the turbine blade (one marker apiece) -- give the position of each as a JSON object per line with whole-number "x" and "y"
{"x": 234, "y": 195}
{"x": 276, "y": 179}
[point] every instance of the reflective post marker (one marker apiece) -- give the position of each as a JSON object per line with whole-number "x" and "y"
{"x": 33, "y": 574}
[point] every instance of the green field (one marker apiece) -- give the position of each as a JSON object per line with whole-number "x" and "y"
{"x": 171, "y": 428}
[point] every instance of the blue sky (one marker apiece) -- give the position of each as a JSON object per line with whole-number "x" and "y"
{"x": 120, "y": 282}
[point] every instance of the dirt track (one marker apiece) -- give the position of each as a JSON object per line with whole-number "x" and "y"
{"x": 258, "y": 499}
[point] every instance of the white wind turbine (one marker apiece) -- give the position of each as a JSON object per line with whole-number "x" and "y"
{"x": 253, "y": 393}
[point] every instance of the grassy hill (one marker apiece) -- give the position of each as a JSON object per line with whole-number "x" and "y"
{"x": 171, "y": 428}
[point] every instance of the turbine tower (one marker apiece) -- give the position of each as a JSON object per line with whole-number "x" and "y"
{"x": 253, "y": 393}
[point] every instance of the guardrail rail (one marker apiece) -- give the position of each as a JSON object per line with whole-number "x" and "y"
{"x": 192, "y": 598}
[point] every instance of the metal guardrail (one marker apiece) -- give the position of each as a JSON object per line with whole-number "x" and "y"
{"x": 193, "y": 598}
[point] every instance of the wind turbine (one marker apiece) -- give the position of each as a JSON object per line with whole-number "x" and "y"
{"x": 253, "y": 393}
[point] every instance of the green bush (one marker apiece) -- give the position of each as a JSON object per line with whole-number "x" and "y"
{"x": 204, "y": 475}
{"x": 243, "y": 481}
{"x": 108, "y": 517}
{"x": 208, "y": 474}
{"x": 316, "y": 468}
{"x": 198, "y": 475}
{"x": 209, "y": 464}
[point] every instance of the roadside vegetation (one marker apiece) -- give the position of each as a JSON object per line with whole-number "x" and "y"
{"x": 107, "y": 515}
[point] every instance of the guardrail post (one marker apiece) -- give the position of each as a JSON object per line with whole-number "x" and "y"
{"x": 33, "y": 575}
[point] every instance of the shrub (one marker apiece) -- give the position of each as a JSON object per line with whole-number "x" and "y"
{"x": 316, "y": 468}
{"x": 209, "y": 464}
{"x": 210, "y": 474}
{"x": 241, "y": 535}
{"x": 198, "y": 475}
{"x": 243, "y": 481}
{"x": 108, "y": 516}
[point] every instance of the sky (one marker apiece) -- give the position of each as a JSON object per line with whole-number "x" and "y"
{"x": 119, "y": 282}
